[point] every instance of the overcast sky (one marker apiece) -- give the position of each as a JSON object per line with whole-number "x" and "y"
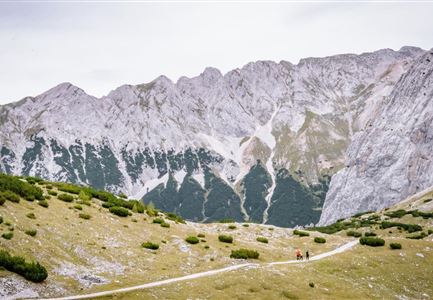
{"x": 100, "y": 46}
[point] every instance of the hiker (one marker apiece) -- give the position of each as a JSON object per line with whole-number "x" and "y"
{"x": 307, "y": 255}
{"x": 298, "y": 254}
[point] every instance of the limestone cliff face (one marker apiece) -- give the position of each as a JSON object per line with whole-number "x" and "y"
{"x": 392, "y": 157}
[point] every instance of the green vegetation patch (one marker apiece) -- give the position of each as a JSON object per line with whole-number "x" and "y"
{"x": 395, "y": 246}
{"x": 10, "y": 196}
{"x": 372, "y": 241}
{"x": 84, "y": 216}
{"x": 31, "y": 232}
{"x": 417, "y": 236}
{"x": 353, "y": 233}
{"x": 244, "y": 254}
{"x": 319, "y": 240}
{"x": 408, "y": 227}
{"x": 262, "y": 239}
{"x": 370, "y": 234}
{"x": 192, "y": 240}
{"x": 8, "y": 235}
{"x": 300, "y": 233}
{"x": 31, "y": 216}
{"x": 65, "y": 197}
{"x": 43, "y": 203}
{"x": 23, "y": 189}
{"x": 119, "y": 211}
{"x": 158, "y": 221}
{"x": 17, "y": 264}
{"x": 225, "y": 238}
{"x": 150, "y": 245}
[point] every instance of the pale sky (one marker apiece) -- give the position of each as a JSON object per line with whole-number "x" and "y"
{"x": 99, "y": 46}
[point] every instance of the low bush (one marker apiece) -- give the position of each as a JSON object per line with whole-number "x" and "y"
{"x": 31, "y": 216}
{"x": 408, "y": 227}
{"x": 2, "y": 199}
{"x": 8, "y": 235}
{"x": 122, "y": 195}
{"x": 1, "y": 219}
{"x": 427, "y": 200}
{"x": 138, "y": 207}
{"x": 372, "y": 241}
{"x": 417, "y": 236}
{"x": 430, "y": 231}
{"x": 201, "y": 235}
{"x": 84, "y": 196}
{"x": 65, "y": 197}
{"x": 370, "y": 234}
{"x": 119, "y": 211}
{"x": 174, "y": 217}
{"x": 78, "y": 206}
{"x": 232, "y": 227}
{"x": 166, "y": 225}
{"x": 395, "y": 246}
{"x": 52, "y": 193}
{"x": 49, "y": 186}
{"x": 424, "y": 215}
{"x": 85, "y": 202}
{"x": 158, "y": 221}
{"x": 107, "y": 204}
{"x": 192, "y": 240}
{"x": 246, "y": 225}
{"x": 244, "y": 254}
{"x": 68, "y": 188}
{"x": 300, "y": 233}
{"x": 311, "y": 284}
{"x": 17, "y": 264}
{"x": 150, "y": 245}
{"x": 31, "y": 232}
{"x": 319, "y": 240}
{"x": 353, "y": 233}
{"x": 84, "y": 216}
{"x": 225, "y": 238}
{"x": 262, "y": 240}
{"x": 20, "y": 187}
{"x": 11, "y": 196}
{"x": 396, "y": 213}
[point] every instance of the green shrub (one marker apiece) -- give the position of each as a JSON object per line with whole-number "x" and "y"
{"x": 262, "y": 240}
{"x": 68, "y": 188}
{"x": 158, "y": 221}
{"x": 84, "y": 196}
{"x": 408, "y": 227}
{"x": 166, "y": 225}
{"x": 206, "y": 247}
{"x": 232, "y": 227}
{"x": 395, "y": 246}
{"x": 78, "y": 206}
{"x": 2, "y": 199}
{"x": 353, "y": 233}
{"x": 396, "y": 213}
{"x": 11, "y": 196}
{"x": 427, "y": 200}
{"x": 150, "y": 210}
{"x": 52, "y": 193}
{"x": 424, "y": 215}
{"x": 150, "y": 245}
{"x": 119, "y": 211}
{"x": 319, "y": 240}
{"x": 49, "y": 187}
{"x": 361, "y": 214}
{"x": 370, "y": 234}
{"x": 31, "y": 216}
{"x": 192, "y": 240}
{"x": 31, "y": 232}
{"x": 225, "y": 238}
{"x": 65, "y": 197}
{"x": 417, "y": 236}
{"x": 107, "y": 204}
{"x": 8, "y": 235}
{"x": 1, "y": 219}
{"x": 174, "y": 217}
{"x": 244, "y": 254}
{"x": 372, "y": 241}
{"x": 300, "y": 233}
{"x": 20, "y": 187}
{"x": 201, "y": 235}
{"x": 246, "y": 225}
{"x": 311, "y": 284}
{"x": 138, "y": 207}
{"x": 30, "y": 271}
{"x": 430, "y": 231}
{"x": 84, "y": 216}
{"x": 85, "y": 202}
{"x": 43, "y": 203}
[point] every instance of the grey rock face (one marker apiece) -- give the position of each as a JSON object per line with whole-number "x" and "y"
{"x": 392, "y": 157}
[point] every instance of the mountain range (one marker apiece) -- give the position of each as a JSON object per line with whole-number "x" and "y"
{"x": 262, "y": 143}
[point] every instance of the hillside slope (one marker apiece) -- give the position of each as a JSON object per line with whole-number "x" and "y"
{"x": 104, "y": 252}
{"x": 231, "y": 142}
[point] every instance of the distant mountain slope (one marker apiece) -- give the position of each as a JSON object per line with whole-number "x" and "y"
{"x": 213, "y": 146}
{"x": 393, "y": 157}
